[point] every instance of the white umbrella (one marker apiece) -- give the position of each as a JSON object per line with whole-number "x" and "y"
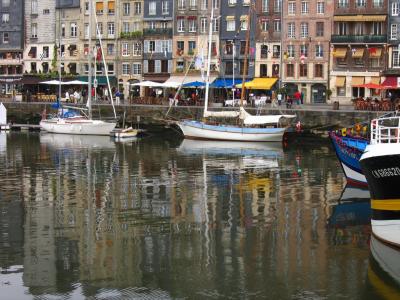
{"x": 171, "y": 84}
{"x": 76, "y": 82}
{"x": 52, "y": 82}
{"x": 148, "y": 83}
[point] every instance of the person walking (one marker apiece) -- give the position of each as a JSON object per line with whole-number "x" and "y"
{"x": 279, "y": 98}
{"x": 273, "y": 100}
{"x": 297, "y": 97}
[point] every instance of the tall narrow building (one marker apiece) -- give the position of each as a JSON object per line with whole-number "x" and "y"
{"x": 358, "y": 48}
{"x": 11, "y": 44}
{"x": 305, "y": 41}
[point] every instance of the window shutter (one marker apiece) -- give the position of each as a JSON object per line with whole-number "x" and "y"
{"x": 158, "y": 46}
{"x": 145, "y": 66}
{"x": 169, "y": 46}
{"x": 158, "y": 66}
{"x": 146, "y": 47}
{"x": 169, "y": 66}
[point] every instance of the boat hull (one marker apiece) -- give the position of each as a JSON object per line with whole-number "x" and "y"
{"x": 349, "y": 157}
{"x": 84, "y": 127}
{"x": 199, "y": 130}
{"x": 381, "y": 166}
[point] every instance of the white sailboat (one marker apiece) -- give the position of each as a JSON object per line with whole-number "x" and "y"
{"x": 267, "y": 128}
{"x": 69, "y": 122}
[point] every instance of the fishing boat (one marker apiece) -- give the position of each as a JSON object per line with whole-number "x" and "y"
{"x": 260, "y": 128}
{"x": 349, "y": 149}
{"x": 3, "y": 118}
{"x": 68, "y": 120}
{"x": 380, "y": 164}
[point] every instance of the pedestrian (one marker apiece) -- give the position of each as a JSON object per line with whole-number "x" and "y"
{"x": 106, "y": 95}
{"x": 302, "y": 97}
{"x": 171, "y": 100}
{"x": 273, "y": 99}
{"x": 67, "y": 96}
{"x": 297, "y": 97}
{"x": 279, "y": 98}
{"x": 117, "y": 97}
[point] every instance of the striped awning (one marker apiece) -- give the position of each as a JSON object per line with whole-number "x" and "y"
{"x": 375, "y": 80}
{"x": 340, "y": 81}
{"x": 340, "y": 52}
{"x": 357, "y": 81}
{"x": 358, "y": 53}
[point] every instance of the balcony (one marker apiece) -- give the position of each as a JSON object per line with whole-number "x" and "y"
{"x": 359, "y": 39}
{"x": 158, "y": 31}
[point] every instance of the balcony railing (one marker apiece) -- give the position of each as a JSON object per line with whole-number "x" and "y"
{"x": 358, "y": 38}
{"x": 157, "y": 31}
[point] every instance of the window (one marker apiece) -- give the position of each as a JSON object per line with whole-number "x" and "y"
{"x": 277, "y": 6}
{"x": 181, "y": 25}
{"x": 150, "y": 66}
{"x": 125, "y": 49}
{"x": 192, "y": 46}
{"x": 111, "y": 29}
{"x": 320, "y": 7}
{"x": 99, "y": 30}
{"x": 203, "y": 25}
{"x": 46, "y": 52}
{"x": 74, "y": 30}
{"x": 290, "y": 70}
{"x": 216, "y": 25}
{"x": 242, "y": 47}
{"x": 341, "y": 91}
{"x": 180, "y": 66}
{"x": 304, "y": 50}
{"x": 264, "y": 5}
{"x": 34, "y": 6}
{"x": 6, "y": 38}
{"x": 377, "y": 3}
{"x": 215, "y": 3}
{"x": 359, "y": 29}
{"x": 277, "y": 25}
{"x": 164, "y": 8}
{"x": 393, "y": 32}
{"x": 304, "y": 7}
{"x": 377, "y": 28}
{"x": 229, "y": 48}
{"x": 181, "y": 4}
{"x": 125, "y": 69}
{"x": 291, "y": 8}
{"x": 152, "y": 8}
{"x": 204, "y": 4}
{"x": 230, "y": 25}
{"x": 263, "y": 70}
{"x": 275, "y": 70}
{"x": 361, "y": 3}
{"x": 264, "y": 51}
{"x": 242, "y": 66}
{"x": 231, "y": 2}
{"x": 243, "y": 24}
{"x": 304, "y": 30}
{"x": 5, "y": 3}
{"x": 126, "y": 7}
{"x": 395, "y": 8}
{"x": 228, "y": 68}
{"x": 319, "y": 30}
{"x": 291, "y": 31}
{"x": 192, "y": 25}
{"x": 125, "y": 27}
{"x": 180, "y": 45}
{"x": 86, "y": 33}
{"x": 290, "y": 51}
{"x": 318, "y": 70}
{"x": 111, "y": 7}
{"x": 110, "y": 49}
{"x": 264, "y": 25}
{"x": 303, "y": 70}
{"x": 34, "y": 30}
{"x": 164, "y": 47}
{"x": 192, "y": 4}
{"x": 86, "y": 8}
{"x": 5, "y": 18}
{"x": 152, "y": 46}
{"x": 319, "y": 51}
{"x": 138, "y": 8}
{"x": 151, "y": 25}
{"x": 164, "y": 25}
{"x": 246, "y": 2}
{"x": 343, "y": 3}
{"x": 137, "y": 68}
{"x": 395, "y": 58}
{"x": 99, "y": 8}
{"x": 46, "y": 11}
{"x": 137, "y": 49}
{"x": 276, "y": 51}
{"x": 342, "y": 28}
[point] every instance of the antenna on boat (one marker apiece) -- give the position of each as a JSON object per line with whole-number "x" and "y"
{"x": 89, "y": 101}
{"x": 208, "y": 63}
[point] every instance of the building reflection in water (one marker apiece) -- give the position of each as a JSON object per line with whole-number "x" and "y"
{"x": 206, "y": 219}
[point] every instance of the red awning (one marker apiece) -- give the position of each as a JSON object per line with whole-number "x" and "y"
{"x": 371, "y": 86}
{"x": 390, "y": 83}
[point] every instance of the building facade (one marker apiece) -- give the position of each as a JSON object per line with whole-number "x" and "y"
{"x": 305, "y": 41}
{"x": 392, "y": 72}
{"x": 359, "y": 51}
{"x": 11, "y": 44}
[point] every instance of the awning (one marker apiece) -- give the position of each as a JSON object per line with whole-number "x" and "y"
{"x": 390, "y": 82}
{"x": 358, "y": 53}
{"x": 148, "y": 84}
{"x": 230, "y": 18}
{"x": 99, "y": 6}
{"x": 340, "y": 52}
{"x": 194, "y": 84}
{"x": 176, "y": 81}
{"x": 11, "y": 80}
{"x": 111, "y": 5}
{"x": 101, "y": 80}
{"x": 375, "y": 80}
{"x": 243, "y": 18}
{"x": 259, "y": 84}
{"x": 360, "y": 18}
{"x": 225, "y": 83}
{"x": 375, "y": 52}
{"x": 357, "y": 81}
{"x": 340, "y": 81}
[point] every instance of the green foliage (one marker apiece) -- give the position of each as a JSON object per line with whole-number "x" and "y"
{"x": 54, "y": 60}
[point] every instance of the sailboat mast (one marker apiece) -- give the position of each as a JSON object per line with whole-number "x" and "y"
{"x": 89, "y": 102}
{"x": 208, "y": 63}
{"x": 60, "y": 54}
{"x": 246, "y": 54}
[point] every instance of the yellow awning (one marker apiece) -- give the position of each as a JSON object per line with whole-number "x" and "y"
{"x": 230, "y": 18}
{"x": 99, "y": 6}
{"x": 340, "y": 80}
{"x": 377, "y": 53}
{"x": 357, "y": 81}
{"x": 360, "y": 18}
{"x": 111, "y": 5}
{"x": 244, "y": 17}
{"x": 358, "y": 53}
{"x": 375, "y": 80}
{"x": 340, "y": 52}
{"x": 259, "y": 84}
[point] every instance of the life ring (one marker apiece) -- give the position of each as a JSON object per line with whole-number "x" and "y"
{"x": 358, "y": 127}
{"x": 344, "y": 131}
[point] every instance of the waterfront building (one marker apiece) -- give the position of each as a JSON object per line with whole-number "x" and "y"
{"x": 358, "y": 53}
{"x": 392, "y": 72}
{"x": 40, "y": 55}
{"x": 157, "y": 39}
{"x": 305, "y": 42}
{"x": 130, "y": 44}
{"x": 11, "y": 44}
{"x": 268, "y": 38}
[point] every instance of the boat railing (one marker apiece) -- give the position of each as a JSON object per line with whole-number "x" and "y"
{"x": 385, "y": 130}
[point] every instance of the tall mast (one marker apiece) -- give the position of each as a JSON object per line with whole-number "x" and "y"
{"x": 208, "y": 62}
{"x": 60, "y": 54}
{"x": 246, "y": 54}
{"x": 89, "y": 102}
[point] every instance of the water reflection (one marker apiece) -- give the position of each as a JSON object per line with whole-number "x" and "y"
{"x": 163, "y": 218}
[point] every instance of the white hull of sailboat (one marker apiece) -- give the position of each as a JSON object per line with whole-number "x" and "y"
{"x": 199, "y": 130}
{"x": 84, "y": 127}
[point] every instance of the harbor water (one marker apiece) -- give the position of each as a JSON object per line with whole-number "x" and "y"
{"x": 161, "y": 217}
